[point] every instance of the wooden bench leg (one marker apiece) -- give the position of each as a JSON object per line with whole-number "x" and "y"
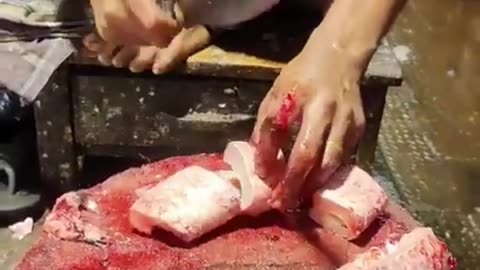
{"x": 55, "y": 140}
{"x": 374, "y": 103}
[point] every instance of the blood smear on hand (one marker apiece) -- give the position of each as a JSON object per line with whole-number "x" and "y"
{"x": 283, "y": 118}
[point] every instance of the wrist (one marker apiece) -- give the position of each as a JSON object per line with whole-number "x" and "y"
{"x": 355, "y": 27}
{"x": 357, "y": 49}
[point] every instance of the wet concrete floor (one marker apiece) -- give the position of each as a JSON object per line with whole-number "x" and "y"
{"x": 431, "y": 127}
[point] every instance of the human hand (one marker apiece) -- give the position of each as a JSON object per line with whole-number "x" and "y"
{"x": 318, "y": 88}
{"x": 133, "y": 22}
{"x": 155, "y": 58}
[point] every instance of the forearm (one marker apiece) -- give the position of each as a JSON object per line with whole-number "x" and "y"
{"x": 355, "y": 27}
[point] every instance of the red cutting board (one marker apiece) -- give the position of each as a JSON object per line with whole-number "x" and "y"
{"x": 271, "y": 241}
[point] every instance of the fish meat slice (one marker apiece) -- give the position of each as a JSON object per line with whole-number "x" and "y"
{"x": 188, "y": 204}
{"x": 195, "y": 201}
{"x": 348, "y": 203}
{"x": 420, "y": 250}
{"x": 254, "y": 191}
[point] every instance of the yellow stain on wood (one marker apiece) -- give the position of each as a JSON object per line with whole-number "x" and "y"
{"x": 215, "y": 55}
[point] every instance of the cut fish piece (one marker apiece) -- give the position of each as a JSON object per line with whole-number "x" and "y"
{"x": 74, "y": 218}
{"x": 230, "y": 176}
{"x": 419, "y": 250}
{"x": 422, "y": 250}
{"x": 255, "y": 193}
{"x": 366, "y": 260}
{"x": 348, "y": 202}
{"x": 188, "y": 204}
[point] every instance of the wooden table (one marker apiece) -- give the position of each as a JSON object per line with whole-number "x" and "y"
{"x": 88, "y": 109}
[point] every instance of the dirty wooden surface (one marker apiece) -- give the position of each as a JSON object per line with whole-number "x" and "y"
{"x": 216, "y": 61}
{"x": 145, "y": 114}
{"x": 197, "y": 113}
{"x": 56, "y": 148}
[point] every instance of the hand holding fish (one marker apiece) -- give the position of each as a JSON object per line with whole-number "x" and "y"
{"x": 319, "y": 88}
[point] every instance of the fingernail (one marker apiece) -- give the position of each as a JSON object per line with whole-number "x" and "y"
{"x": 157, "y": 69}
{"x": 103, "y": 60}
{"x": 116, "y": 64}
{"x": 134, "y": 70}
